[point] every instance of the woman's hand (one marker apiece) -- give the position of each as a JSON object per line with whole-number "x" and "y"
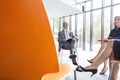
{"x": 104, "y": 40}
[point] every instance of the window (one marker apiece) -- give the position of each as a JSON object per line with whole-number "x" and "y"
{"x": 107, "y": 2}
{"x": 88, "y": 5}
{"x": 87, "y": 30}
{"x": 73, "y": 24}
{"x": 56, "y": 26}
{"x": 97, "y": 4}
{"x": 106, "y": 22}
{"x": 116, "y": 11}
{"x": 116, "y": 1}
{"x": 80, "y": 29}
{"x": 96, "y": 28}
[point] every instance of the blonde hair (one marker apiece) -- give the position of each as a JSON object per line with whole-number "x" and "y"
{"x": 117, "y": 16}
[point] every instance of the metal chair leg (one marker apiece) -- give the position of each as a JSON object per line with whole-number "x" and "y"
{"x": 61, "y": 55}
{"x": 75, "y": 78}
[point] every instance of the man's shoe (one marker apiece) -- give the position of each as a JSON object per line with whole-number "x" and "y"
{"x": 75, "y": 63}
{"x": 73, "y": 57}
{"x": 70, "y": 56}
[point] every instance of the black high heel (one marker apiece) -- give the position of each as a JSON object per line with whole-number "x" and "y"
{"x": 94, "y": 71}
{"x": 78, "y": 69}
{"x": 103, "y": 72}
{"x": 89, "y": 61}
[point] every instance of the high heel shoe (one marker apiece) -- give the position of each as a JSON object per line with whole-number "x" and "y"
{"x": 103, "y": 71}
{"x": 94, "y": 71}
{"x": 89, "y": 61}
{"x": 78, "y": 69}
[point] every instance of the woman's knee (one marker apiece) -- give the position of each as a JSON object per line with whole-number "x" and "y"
{"x": 104, "y": 44}
{"x": 110, "y": 43}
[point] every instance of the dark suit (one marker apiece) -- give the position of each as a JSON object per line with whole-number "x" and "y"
{"x": 63, "y": 43}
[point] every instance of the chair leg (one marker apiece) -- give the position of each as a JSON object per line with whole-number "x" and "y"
{"x": 77, "y": 57}
{"x": 61, "y": 54}
{"x": 75, "y": 78}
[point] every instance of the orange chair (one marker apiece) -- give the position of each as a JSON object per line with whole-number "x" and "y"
{"x": 27, "y": 50}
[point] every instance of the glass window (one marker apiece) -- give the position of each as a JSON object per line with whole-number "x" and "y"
{"x": 97, "y": 4}
{"x": 80, "y": 24}
{"x": 73, "y": 24}
{"x": 116, "y": 1}
{"x": 96, "y": 28}
{"x": 56, "y": 30}
{"x": 88, "y": 5}
{"x": 61, "y": 23}
{"x": 106, "y": 22}
{"x": 88, "y": 31}
{"x": 56, "y": 26}
{"x": 116, "y": 11}
{"x": 66, "y": 19}
{"x": 80, "y": 29}
{"x": 107, "y": 2}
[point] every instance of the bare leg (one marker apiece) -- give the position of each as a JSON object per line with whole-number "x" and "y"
{"x": 111, "y": 58}
{"x": 105, "y": 67}
{"x": 105, "y": 55}
{"x": 105, "y": 63}
{"x": 103, "y": 45}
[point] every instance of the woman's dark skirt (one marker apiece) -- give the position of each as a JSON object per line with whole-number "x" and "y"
{"x": 116, "y": 49}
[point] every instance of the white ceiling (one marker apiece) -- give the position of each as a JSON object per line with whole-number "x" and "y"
{"x": 58, "y": 8}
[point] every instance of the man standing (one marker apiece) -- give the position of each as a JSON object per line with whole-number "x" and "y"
{"x": 66, "y": 40}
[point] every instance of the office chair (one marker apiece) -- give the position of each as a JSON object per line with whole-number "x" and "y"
{"x": 63, "y": 50}
{"x": 26, "y": 43}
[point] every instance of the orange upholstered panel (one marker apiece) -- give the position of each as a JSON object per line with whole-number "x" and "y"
{"x": 27, "y": 49}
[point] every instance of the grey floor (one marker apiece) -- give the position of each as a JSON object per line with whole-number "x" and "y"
{"x": 82, "y": 59}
